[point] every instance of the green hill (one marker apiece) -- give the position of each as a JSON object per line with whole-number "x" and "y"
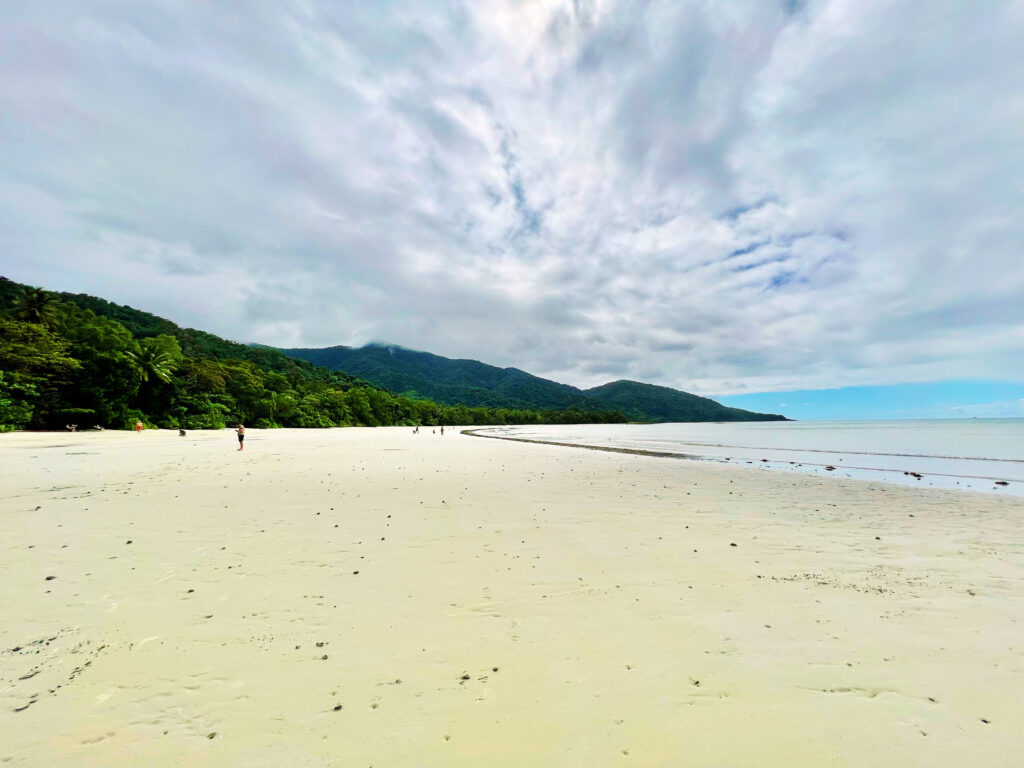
{"x": 422, "y": 374}
{"x": 78, "y": 359}
{"x": 648, "y": 402}
{"x": 470, "y": 382}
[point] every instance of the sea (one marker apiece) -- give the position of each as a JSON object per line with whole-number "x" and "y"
{"x": 985, "y": 455}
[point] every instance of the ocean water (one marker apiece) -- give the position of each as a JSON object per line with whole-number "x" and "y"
{"x": 967, "y": 454}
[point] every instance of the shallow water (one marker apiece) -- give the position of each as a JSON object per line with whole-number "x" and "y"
{"x": 970, "y": 454}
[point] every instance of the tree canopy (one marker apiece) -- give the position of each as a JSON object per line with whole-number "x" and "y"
{"x": 470, "y": 382}
{"x": 35, "y": 305}
{"x": 77, "y": 359}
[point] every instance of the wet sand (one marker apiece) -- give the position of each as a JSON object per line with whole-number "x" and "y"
{"x": 373, "y": 598}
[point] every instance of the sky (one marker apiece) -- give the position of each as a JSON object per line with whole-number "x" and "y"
{"x": 954, "y": 399}
{"x": 724, "y": 197}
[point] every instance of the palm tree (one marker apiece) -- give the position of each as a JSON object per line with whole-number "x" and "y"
{"x": 153, "y": 361}
{"x": 34, "y": 305}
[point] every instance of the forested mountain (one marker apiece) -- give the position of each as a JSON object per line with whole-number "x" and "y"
{"x": 649, "y": 402}
{"x": 73, "y": 358}
{"x": 421, "y": 374}
{"x": 77, "y": 359}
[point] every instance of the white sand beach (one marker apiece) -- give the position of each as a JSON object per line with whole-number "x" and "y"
{"x": 367, "y": 597}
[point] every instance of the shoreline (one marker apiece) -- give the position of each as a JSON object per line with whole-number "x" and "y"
{"x": 779, "y": 465}
{"x": 367, "y": 596}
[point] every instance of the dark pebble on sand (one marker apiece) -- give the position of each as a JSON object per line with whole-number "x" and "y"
{"x": 986, "y": 722}
{"x": 50, "y": 578}
{"x": 464, "y": 677}
{"x": 337, "y": 707}
{"x": 129, "y": 541}
{"x": 212, "y": 735}
{"x": 355, "y": 573}
{"x": 733, "y": 544}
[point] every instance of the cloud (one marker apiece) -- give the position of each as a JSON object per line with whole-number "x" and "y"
{"x": 728, "y": 198}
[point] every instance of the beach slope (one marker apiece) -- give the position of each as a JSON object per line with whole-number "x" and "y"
{"x": 361, "y": 597}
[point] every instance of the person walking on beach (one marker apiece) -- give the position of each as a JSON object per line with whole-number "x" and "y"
{"x": 240, "y": 431}
{"x": 138, "y": 426}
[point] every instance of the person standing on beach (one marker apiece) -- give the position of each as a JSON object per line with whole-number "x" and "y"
{"x": 240, "y": 431}
{"x": 138, "y": 426}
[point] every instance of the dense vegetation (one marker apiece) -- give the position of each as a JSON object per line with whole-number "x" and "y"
{"x": 421, "y": 374}
{"x": 76, "y": 359}
{"x": 648, "y": 402}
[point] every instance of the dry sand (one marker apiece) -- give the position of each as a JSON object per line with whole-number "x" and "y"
{"x": 368, "y": 597}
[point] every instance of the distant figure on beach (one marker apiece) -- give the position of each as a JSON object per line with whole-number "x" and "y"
{"x": 240, "y": 431}
{"x": 71, "y": 427}
{"x": 416, "y": 431}
{"x": 442, "y": 430}
{"x": 138, "y": 426}
{"x": 181, "y": 433}
{"x": 433, "y": 431}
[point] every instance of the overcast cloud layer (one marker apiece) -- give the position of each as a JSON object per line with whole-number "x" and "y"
{"x": 722, "y": 197}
